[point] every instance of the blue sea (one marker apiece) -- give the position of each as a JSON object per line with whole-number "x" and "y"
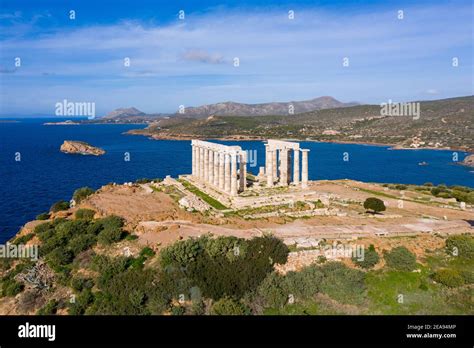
{"x": 44, "y": 175}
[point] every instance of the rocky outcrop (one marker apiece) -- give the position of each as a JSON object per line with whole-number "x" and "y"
{"x": 81, "y": 148}
{"x": 469, "y": 161}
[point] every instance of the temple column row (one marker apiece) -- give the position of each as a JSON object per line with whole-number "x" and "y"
{"x": 281, "y": 171}
{"x": 220, "y": 168}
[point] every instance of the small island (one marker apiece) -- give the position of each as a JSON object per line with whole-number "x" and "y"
{"x": 468, "y": 161}
{"x": 81, "y": 148}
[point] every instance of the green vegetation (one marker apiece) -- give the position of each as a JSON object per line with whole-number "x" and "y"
{"x": 349, "y": 122}
{"x": 374, "y": 204}
{"x": 400, "y": 258}
{"x": 83, "y": 213}
{"x": 370, "y": 259}
{"x": 59, "y": 205}
{"x": 448, "y": 277}
{"x": 228, "y": 306}
{"x": 43, "y": 216}
{"x": 23, "y": 239}
{"x": 460, "y": 245}
{"x": 234, "y": 276}
{"x": 82, "y": 193}
{"x": 205, "y": 197}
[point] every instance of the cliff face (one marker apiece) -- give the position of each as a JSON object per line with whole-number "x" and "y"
{"x": 80, "y": 147}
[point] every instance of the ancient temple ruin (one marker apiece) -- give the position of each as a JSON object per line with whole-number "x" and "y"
{"x": 224, "y": 167}
{"x": 278, "y": 163}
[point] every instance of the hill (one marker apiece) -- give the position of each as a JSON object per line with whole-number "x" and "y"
{"x": 277, "y": 108}
{"x": 445, "y": 123}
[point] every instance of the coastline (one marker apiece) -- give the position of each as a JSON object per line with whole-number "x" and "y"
{"x": 390, "y": 146}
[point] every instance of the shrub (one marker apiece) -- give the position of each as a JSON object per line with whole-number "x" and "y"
{"x": 49, "y": 309}
{"x": 448, "y": 277}
{"x": 228, "y": 306}
{"x": 59, "y": 257}
{"x": 80, "y": 283}
{"x": 111, "y": 230}
{"x": 10, "y": 287}
{"x": 87, "y": 214}
{"x": 43, "y": 216}
{"x": 178, "y": 310}
{"x": 23, "y": 239}
{"x": 428, "y": 184}
{"x": 342, "y": 283}
{"x": 400, "y": 258}
{"x": 370, "y": 259}
{"x": 59, "y": 205}
{"x": 81, "y": 302}
{"x": 374, "y": 204}
{"x": 109, "y": 236}
{"x": 81, "y": 243}
{"x": 273, "y": 291}
{"x": 461, "y": 246}
{"x": 82, "y": 193}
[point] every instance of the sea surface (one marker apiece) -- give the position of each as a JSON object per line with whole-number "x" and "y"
{"x": 34, "y": 173}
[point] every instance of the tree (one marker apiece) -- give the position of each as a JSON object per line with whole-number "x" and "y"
{"x": 374, "y": 204}
{"x": 400, "y": 258}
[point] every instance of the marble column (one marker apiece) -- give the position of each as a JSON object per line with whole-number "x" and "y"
{"x": 275, "y": 164}
{"x": 227, "y": 176}
{"x": 206, "y": 165}
{"x": 243, "y": 171}
{"x": 216, "y": 169}
{"x": 201, "y": 163}
{"x": 304, "y": 168}
{"x": 296, "y": 167}
{"x": 267, "y": 156}
{"x": 284, "y": 167}
{"x": 221, "y": 171}
{"x": 233, "y": 175}
{"x": 211, "y": 166}
{"x": 193, "y": 160}
{"x": 270, "y": 169}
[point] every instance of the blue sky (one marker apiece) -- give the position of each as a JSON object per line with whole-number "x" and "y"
{"x": 190, "y": 62}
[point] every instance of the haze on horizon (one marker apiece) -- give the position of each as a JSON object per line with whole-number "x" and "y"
{"x": 190, "y": 61}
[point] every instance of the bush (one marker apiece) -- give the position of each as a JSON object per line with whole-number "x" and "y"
{"x": 400, "y": 258}
{"x": 79, "y": 283}
{"x": 111, "y": 230}
{"x": 448, "y": 277}
{"x": 59, "y": 257}
{"x": 82, "y": 193}
{"x": 59, "y": 205}
{"x": 220, "y": 270}
{"x": 342, "y": 283}
{"x": 43, "y": 216}
{"x": 81, "y": 243}
{"x": 227, "y": 306}
{"x": 23, "y": 239}
{"x": 87, "y": 214}
{"x": 374, "y": 204}
{"x": 370, "y": 259}
{"x": 461, "y": 246}
{"x": 49, "y": 309}
{"x": 10, "y": 287}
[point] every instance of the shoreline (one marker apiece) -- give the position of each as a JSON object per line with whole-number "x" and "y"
{"x": 391, "y": 146}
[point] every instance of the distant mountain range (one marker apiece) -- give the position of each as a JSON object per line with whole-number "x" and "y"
{"x": 440, "y": 124}
{"x": 233, "y": 109}
{"x": 278, "y": 108}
